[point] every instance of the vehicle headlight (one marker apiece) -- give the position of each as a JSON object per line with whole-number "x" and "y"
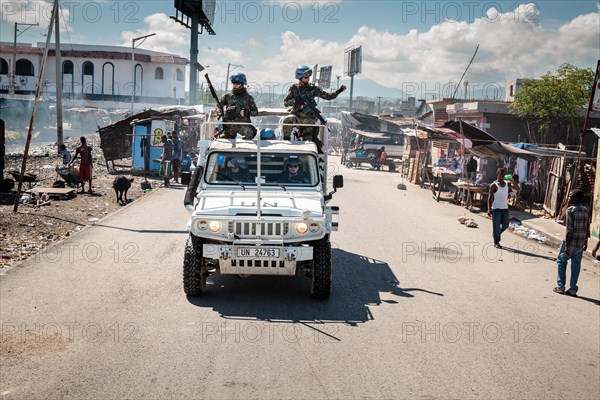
{"x": 314, "y": 227}
{"x": 201, "y": 225}
{"x": 214, "y": 226}
{"x": 301, "y": 227}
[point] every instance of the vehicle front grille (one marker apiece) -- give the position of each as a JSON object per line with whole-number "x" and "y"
{"x": 263, "y": 229}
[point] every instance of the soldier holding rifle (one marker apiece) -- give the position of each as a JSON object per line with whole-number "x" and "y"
{"x": 236, "y": 106}
{"x": 301, "y": 97}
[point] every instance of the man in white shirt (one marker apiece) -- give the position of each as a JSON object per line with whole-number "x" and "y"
{"x": 498, "y": 204}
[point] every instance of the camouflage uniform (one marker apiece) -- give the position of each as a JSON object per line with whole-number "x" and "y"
{"x": 304, "y": 116}
{"x": 233, "y": 103}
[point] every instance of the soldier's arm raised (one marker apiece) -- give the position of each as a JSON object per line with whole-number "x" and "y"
{"x": 328, "y": 96}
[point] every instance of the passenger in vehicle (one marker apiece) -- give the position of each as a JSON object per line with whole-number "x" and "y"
{"x": 293, "y": 172}
{"x": 236, "y": 171}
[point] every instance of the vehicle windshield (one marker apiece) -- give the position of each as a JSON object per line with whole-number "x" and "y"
{"x": 277, "y": 169}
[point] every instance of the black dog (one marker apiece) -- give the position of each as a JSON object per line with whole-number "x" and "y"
{"x": 121, "y": 186}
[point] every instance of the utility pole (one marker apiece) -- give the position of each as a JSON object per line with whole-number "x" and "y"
{"x": 59, "y": 105}
{"x": 193, "y": 94}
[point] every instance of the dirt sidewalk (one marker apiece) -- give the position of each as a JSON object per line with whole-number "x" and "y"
{"x": 33, "y": 228}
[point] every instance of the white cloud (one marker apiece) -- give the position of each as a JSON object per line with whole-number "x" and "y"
{"x": 169, "y": 34}
{"x": 512, "y": 45}
{"x": 302, "y": 3}
{"x": 32, "y": 12}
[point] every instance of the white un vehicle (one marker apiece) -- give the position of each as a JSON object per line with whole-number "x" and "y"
{"x": 248, "y": 217}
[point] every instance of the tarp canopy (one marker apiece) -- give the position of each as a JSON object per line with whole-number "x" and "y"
{"x": 368, "y": 123}
{"x": 474, "y": 134}
{"x": 375, "y": 135}
{"x": 494, "y": 150}
{"x": 548, "y": 152}
{"x": 446, "y": 133}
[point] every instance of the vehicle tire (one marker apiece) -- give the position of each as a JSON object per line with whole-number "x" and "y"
{"x": 194, "y": 278}
{"x": 371, "y": 155}
{"x": 321, "y": 274}
{"x": 392, "y": 167}
{"x": 349, "y": 164}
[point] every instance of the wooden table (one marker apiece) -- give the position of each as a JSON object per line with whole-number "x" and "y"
{"x": 52, "y": 191}
{"x": 464, "y": 192}
{"x": 441, "y": 178}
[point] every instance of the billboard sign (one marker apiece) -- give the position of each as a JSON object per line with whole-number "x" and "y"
{"x": 204, "y": 10}
{"x": 353, "y": 61}
{"x": 325, "y": 77}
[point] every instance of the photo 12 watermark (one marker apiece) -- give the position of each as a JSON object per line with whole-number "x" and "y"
{"x": 470, "y": 252}
{"x": 438, "y": 12}
{"x": 90, "y": 252}
{"x": 290, "y": 12}
{"x": 89, "y": 12}
{"x": 263, "y": 332}
{"x": 469, "y": 332}
{"x": 71, "y": 331}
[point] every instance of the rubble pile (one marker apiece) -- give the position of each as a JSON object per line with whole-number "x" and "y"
{"x": 527, "y": 232}
{"x": 42, "y": 220}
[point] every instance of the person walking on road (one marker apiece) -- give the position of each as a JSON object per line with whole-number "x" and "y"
{"x": 498, "y": 204}
{"x": 176, "y": 156}
{"x": 595, "y": 251}
{"x": 575, "y": 243}
{"x": 166, "y": 157}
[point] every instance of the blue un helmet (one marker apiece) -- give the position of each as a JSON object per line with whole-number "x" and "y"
{"x": 239, "y": 162}
{"x": 303, "y": 72}
{"x": 238, "y": 78}
{"x": 267, "y": 134}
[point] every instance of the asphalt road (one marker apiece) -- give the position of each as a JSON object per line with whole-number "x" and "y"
{"x": 422, "y": 307}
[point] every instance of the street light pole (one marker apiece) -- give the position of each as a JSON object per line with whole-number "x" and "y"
{"x": 13, "y": 81}
{"x": 229, "y": 65}
{"x": 142, "y": 38}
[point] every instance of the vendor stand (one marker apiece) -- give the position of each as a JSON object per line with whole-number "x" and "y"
{"x": 441, "y": 176}
{"x": 467, "y": 192}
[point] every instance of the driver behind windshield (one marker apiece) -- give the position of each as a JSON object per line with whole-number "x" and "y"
{"x": 293, "y": 172}
{"x": 236, "y": 171}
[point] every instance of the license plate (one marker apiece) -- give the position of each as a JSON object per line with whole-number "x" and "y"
{"x": 257, "y": 252}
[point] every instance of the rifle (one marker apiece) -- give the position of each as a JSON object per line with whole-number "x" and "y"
{"x": 214, "y": 94}
{"x": 311, "y": 104}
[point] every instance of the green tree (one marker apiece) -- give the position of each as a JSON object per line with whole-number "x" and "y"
{"x": 552, "y": 105}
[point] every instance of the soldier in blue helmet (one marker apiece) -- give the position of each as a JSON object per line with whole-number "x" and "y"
{"x": 238, "y": 106}
{"x": 267, "y": 134}
{"x": 293, "y": 172}
{"x": 300, "y": 112}
{"x": 237, "y": 170}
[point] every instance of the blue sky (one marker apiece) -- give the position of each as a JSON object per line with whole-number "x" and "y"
{"x": 420, "y": 47}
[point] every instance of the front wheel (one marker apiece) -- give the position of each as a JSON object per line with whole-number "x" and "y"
{"x": 194, "y": 278}
{"x": 321, "y": 274}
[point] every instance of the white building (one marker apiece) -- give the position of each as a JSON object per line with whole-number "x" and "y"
{"x": 98, "y": 76}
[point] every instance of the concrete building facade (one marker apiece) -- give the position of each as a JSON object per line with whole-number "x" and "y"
{"x": 100, "y": 76}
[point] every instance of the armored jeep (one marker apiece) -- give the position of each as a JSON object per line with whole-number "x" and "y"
{"x": 262, "y": 221}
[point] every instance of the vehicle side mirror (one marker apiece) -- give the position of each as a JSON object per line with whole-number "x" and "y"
{"x": 338, "y": 181}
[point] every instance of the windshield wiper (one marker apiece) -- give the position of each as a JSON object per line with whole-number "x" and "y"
{"x": 231, "y": 179}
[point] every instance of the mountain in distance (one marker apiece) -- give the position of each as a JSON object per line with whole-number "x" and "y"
{"x": 370, "y": 88}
